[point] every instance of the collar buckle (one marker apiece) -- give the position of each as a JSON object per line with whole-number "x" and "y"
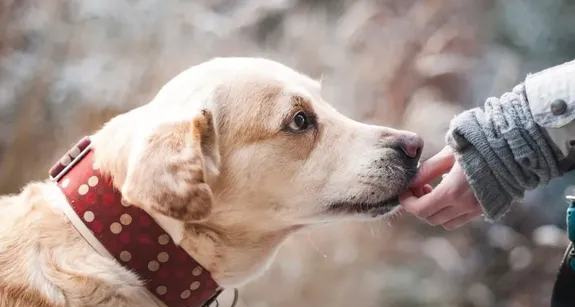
{"x": 71, "y": 158}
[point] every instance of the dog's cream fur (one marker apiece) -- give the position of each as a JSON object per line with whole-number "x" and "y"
{"x": 213, "y": 160}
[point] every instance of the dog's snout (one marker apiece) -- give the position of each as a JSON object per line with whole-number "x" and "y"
{"x": 411, "y": 145}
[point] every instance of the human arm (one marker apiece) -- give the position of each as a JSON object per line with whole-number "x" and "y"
{"x": 515, "y": 143}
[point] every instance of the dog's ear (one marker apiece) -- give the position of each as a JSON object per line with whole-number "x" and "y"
{"x": 167, "y": 171}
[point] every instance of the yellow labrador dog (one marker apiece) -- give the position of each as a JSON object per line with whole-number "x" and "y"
{"x": 194, "y": 192}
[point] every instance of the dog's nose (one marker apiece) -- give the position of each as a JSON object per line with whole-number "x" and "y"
{"x": 412, "y": 145}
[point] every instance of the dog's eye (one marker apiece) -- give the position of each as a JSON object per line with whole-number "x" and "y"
{"x": 300, "y": 122}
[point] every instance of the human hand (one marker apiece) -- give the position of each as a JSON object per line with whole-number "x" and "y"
{"x": 452, "y": 203}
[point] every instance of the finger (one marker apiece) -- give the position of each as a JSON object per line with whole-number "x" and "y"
{"x": 408, "y": 194}
{"x": 450, "y": 212}
{"x": 426, "y": 205}
{"x": 399, "y": 211}
{"x": 414, "y": 193}
{"x": 452, "y": 190}
{"x": 461, "y": 220}
{"x": 434, "y": 167}
{"x": 417, "y": 191}
{"x": 422, "y": 190}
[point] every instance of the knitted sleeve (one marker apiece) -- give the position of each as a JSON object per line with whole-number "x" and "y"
{"x": 502, "y": 151}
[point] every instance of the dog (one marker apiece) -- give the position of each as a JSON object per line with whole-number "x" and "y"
{"x": 230, "y": 157}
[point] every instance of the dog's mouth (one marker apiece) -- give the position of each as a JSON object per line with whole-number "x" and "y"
{"x": 377, "y": 208}
{"x": 374, "y": 209}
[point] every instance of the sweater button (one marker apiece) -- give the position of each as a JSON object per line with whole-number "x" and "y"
{"x": 558, "y": 106}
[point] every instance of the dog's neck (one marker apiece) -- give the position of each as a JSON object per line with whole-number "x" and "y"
{"x": 235, "y": 253}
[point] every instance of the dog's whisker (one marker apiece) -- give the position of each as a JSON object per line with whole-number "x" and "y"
{"x": 386, "y": 219}
{"x": 375, "y": 231}
{"x": 315, "y": 246}
{"x": 371, "y": 230}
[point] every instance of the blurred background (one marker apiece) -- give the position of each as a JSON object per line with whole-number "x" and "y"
{"x": 66, "y": 67}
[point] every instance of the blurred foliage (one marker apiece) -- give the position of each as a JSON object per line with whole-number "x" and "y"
{"x": 67, "y": 66}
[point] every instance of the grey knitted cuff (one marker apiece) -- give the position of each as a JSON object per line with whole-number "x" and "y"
{"x": 502, "y": 151}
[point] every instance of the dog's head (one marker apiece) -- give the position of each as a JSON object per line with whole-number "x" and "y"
{"x": 234, "y": 154}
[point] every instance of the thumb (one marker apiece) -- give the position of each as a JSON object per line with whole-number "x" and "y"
{"x": 434, "y": 167}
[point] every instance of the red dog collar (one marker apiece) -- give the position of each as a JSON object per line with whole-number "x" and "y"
{"x": 129, "y": 234}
